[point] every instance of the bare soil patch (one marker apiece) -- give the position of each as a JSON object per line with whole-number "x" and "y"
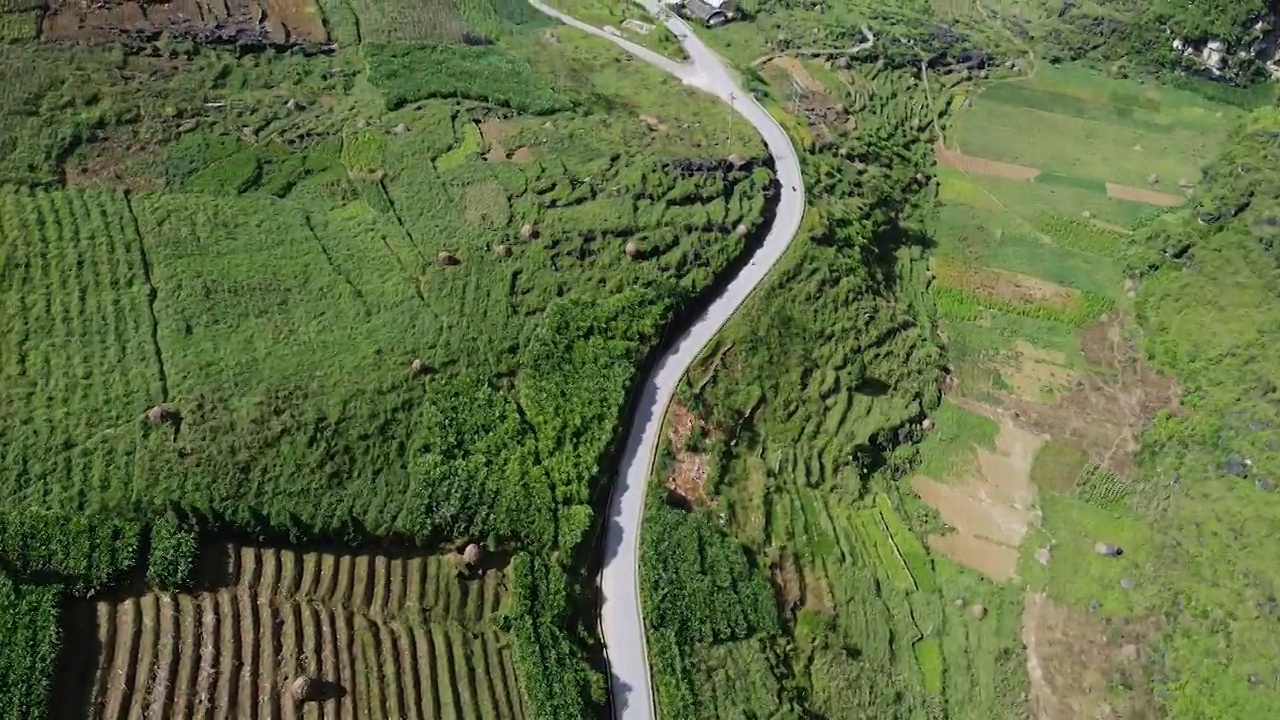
{"x": 982, "y": 166}
{"x": 1142, "y": 195}
{"x": 487, "y": 205}
{"x": 1005, "y": 285}
{"x": 795, "y": 68}
{"x": 277, "y": 21}
{"x": 825, "y": 116}
{"x": 1077, "y": 662}
{"x": 523, "y": 155}
{"x": 1104, "y": 410}
{"x": 688, "y": 477}
{"x": 117, "y": 160}
{"x": 991, "y": 507}
{"x": 1037, "y": 372}
{"x": 494, "y": 133}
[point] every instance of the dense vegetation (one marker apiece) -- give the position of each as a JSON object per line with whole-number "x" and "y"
{"x": 1208, "y": 304}
{"x": 339, "y": 298}
{"x": 810, "y": 398}
{"x": 1121, "y": 34}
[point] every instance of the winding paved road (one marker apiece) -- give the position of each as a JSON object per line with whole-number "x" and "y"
{"x": 621, "y": 622}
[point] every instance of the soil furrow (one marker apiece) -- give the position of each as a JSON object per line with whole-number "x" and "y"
{"x": 328, "y": 668}
{"x": 228, "y": 655}
{"x": 513, "y": 683}
{"x": 410, "y": 670}
{"x": 346, "y": 663}
{"x": 445, "y": 679}
{"x": 309, "y": 650}
{"x": 124, "y": 661}
{"x": 328, "y": 579}
{"x": 310, "y": 576}
{"x": 364, "y": 679}
{"x": 428, "y": 682}
{"x": 105, "y": 673}
{"x": 184, "y": 682}
{"x": 207, "y": 675}
{"x": 498, "y": 676}
{"x": 413, "y": 577}
{"x": 290, "y": 652}
{"x": 288, "y": 575}
{"x": 250, "y": 633}
{"x": 346, "y": 569}
{"x": 482, "y": 679}
{"x": 396, "y": 577}
{"x": 268, "y": 619}
{"x": 393, "y": 672}
{"x": 381, "y": 588}
{"x": 464, "y": 678}
{"x": 362, "y": 583}
{"x": 165, "y": 669}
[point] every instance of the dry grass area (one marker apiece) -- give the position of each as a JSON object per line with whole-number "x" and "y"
{"x": 1074, "y": 659}
{"x": 1037, "y": 374}
{"x": 393, "y": 637}
{"x": 1105, "y": 410}
{"x": 687, "y": 480}
{"x": 1150, "y": 197}
{"x": 982, "y": 166}
{"x": 283, "y": 20}
{"x": 1005, "y": 285}
{"x": 795, "y": 68}
{"x": 991, "y": 507}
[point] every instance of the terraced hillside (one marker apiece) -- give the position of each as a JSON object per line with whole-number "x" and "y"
{"x": 396, "y": 637}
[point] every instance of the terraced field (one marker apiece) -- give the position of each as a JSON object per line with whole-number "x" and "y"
{"x": 395, "y": 638}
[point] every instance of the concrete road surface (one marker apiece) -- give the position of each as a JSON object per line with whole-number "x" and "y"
{"x": 621, "y": 622}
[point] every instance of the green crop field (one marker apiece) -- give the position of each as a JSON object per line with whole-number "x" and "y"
{"x": 1061, "y": 321}
{"x": 379, "y": 296}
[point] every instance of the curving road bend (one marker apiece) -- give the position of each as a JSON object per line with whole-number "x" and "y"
{"x": 621, "y": 621}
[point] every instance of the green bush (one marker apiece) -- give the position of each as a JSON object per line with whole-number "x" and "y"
{"x": 84, "y": 552}
{"x": 172, "y": 558}
{"x": 29, "y": 651}
{"x": 407, "y": 73}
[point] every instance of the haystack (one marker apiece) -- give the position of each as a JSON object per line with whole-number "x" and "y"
{"x": 447, "y": 258}
{"x": 736, "y": 161}
{"x": 161, "y": 415}
{"x": 927, "y": 425}
{"x": 529, "y": 231}
{"x": 304, "y": 688}
{"x": 978, "y": 611}
{"x": 472, "y": 554}
{"x": 632, "y": 250}
{"x": 503, "y": 250}
{"x": 418, "y": 367}
{"x": 1107, "y": 549}
{"x": 741, "y": 230}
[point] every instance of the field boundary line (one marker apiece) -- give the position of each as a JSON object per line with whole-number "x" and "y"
{"x": 152, "y": 295}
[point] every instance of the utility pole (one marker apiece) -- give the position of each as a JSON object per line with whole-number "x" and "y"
{"x": 732, "y": 111}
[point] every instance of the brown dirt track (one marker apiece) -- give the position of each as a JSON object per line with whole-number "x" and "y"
{"x": 982, "y": 166}
{"x": 285, "y": 20}
{"x": 403, "y": 637}
{"x": 1150, "y": 197}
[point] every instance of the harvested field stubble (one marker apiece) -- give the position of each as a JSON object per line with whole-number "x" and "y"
{"x": 280, "y": 22}
{"x": 403, "y": 637}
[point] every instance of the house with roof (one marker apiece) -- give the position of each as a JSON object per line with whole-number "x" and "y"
{"x": 711, "y": 13}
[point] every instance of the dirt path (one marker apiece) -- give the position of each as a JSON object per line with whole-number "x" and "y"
{"x": 1142, "y": 195}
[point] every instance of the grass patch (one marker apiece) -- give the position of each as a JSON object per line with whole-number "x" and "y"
{"x": 1058, "y": 466}
{"x": 947, "y": 450}
{"x": 409, "y": 73}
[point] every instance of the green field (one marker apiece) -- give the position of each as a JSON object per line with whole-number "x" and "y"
{"x": 373, "y": 297}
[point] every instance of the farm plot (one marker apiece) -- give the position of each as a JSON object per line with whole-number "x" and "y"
{"x": 79, "y": 363}
{"x": 402, "y": 637}
{"x": 276, "y": 21}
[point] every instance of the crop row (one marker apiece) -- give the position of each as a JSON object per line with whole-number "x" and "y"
{"x": 1081, "y": 234}
{"x": 1101, "y": 488}
{"x": 966, "y": 306}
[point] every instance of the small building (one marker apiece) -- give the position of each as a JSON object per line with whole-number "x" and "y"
{"x": 711, "y": 13}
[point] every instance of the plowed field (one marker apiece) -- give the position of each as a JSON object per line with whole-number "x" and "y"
{"x": 283, "y": 21}
{"x": 401, "y": 638}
